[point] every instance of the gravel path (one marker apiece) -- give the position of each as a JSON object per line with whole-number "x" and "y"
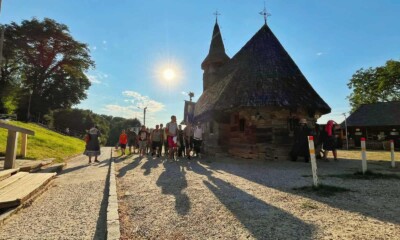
{"x": 251, "y": 200}
{"x": 74, "y": 207}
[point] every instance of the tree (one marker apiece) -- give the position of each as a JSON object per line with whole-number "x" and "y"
{"x": 380, "y": 84}
{"x": 46, "y": 59}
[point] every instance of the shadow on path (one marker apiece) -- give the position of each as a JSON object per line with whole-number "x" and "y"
{"x": 128, "y": 167}
{"x": 101, "y": 225}
{"x": 261, "y": 219}
{"x": 173, "y": 181}
{"x": 366, "y": 201}
{"x": 149, "y": 164}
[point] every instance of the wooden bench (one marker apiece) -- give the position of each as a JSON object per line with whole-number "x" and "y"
{"x": 12, "y": 140}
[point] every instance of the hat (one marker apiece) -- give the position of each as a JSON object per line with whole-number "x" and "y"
{"x": 303, "y": 120}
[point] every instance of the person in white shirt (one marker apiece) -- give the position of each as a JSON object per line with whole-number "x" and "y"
{"x": 197, "y": 139}
{"x": 171, "y": 129}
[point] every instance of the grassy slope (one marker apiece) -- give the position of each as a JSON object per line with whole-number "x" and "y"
{"x": 45, "y": 143}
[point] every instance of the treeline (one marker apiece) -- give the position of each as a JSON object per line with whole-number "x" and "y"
{"x": 78, "y": 121}
{"x": 42, "y": 69}
{"x": 42, "y": 75}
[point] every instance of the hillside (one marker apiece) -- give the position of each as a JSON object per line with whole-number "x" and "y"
{"x": 45, "y": 143}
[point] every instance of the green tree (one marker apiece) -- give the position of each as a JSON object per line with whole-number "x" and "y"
{"x": 117, "y": 124}
{"x": 380, "y": 84}
{"x": 47, "y": 60}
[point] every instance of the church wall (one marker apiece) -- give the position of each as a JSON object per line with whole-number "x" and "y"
{"x": 263, "y": 133}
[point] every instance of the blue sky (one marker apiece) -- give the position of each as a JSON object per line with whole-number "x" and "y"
{"x": 133, "y": 41}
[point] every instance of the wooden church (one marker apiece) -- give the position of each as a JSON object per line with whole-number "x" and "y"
{"x": 251, "y": 102}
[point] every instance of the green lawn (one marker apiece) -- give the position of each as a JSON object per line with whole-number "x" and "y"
{"x": 45, "y": 143}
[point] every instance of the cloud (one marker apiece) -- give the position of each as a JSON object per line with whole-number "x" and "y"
{"x": 104, "y": 42}
{"x": 94, "y": 48}
{"x": 319, "y": 53}
{"x": 93, "y": 79}
{"x": 141, "y": 101}
{"x": 97, "y": 77}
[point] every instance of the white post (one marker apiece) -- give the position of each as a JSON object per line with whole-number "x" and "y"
{"x": 363, "y": 156}
{"x": 392, "y": 153}
{"x": 313, "y": 160}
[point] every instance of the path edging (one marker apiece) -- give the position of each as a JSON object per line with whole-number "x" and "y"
{"x": 113, "y": 225}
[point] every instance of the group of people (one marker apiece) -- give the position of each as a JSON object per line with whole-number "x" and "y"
{"x": 325, "y": 140}
{"x": 177, "y": 142}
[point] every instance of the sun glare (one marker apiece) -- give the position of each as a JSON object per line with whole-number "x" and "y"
{"x": 169, "y": 74}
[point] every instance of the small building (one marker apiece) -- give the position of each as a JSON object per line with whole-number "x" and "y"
{"x": 377, "y": 122}
{"x": 251, "y": 102}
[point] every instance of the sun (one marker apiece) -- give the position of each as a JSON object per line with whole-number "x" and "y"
{"x": 169, "y": 74}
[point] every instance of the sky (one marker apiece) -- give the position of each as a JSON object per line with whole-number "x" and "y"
{"x": 133, "y": 42}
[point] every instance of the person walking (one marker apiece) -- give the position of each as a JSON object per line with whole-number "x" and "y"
{"x": 142, "y": 139}
{"x": 329, "y": 143}
{"x": 92, "y": 144}
{"x": 197, "y": 139}
{"x": 156, "y": 139}
{"x": 181, "y": 141}
{"x": 171, "y": 130}
{"x": 164, "y": 139}
{"x": 123, "y": 140}
{"x": 188, "y": 135}
{"x": 132, "y": 138}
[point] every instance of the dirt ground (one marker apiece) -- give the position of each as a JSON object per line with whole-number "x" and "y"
{"x": 240, "y": 199}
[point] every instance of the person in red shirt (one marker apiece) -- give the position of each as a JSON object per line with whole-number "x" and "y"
{"x": 123, "y": 140}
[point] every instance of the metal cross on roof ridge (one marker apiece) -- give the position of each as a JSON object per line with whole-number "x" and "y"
{"x": 265, "y": 14}
{"x": 216, "y": 13}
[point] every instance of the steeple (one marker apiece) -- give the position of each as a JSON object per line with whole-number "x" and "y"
{"x": 215, "y": 59}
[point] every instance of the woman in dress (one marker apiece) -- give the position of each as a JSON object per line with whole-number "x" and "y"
{"x": 92, "y": 144}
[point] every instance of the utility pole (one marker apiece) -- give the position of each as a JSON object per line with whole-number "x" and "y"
{"x": 144, "y": 115}
{"x": 345, "y": 125}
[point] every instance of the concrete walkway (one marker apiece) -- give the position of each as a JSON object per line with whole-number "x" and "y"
{"x": 74, "y": 206}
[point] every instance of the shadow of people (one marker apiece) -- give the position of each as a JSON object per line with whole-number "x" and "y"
{"x": 368, "y": 201}
{"x": 149, "y": 164}
{"x": 257, "y": 216}
{"x": 130, "y": 166}
{"x": 172, "y": 182}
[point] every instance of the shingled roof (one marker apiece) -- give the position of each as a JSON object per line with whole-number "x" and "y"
{"x": 261, "y": 74}
{"x": 376, "y": 114}
{"x": 217, "y": 49}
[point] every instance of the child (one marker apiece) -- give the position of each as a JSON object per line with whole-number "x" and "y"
{"x": 123, "y": 140}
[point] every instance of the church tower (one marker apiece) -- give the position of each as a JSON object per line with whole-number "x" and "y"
{"x": 215, "y": 59}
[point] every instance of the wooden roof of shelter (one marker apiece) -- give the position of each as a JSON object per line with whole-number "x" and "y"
{"x": 375, "y": 114}
{"x": 261, "y": 74}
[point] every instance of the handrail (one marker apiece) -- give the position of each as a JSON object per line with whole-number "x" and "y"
{"x": 12, "y": 141}
{"x": 15, "y": 128}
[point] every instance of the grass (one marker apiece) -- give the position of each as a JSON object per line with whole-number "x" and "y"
{"x": 372, "y": 155}
{"x": 322, "y": 190}
{"x": 45, "y": 143}
{"x": 369, "y": 175}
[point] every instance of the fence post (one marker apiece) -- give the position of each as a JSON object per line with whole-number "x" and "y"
{"x": 363, "y": 156}
{"x": 11, "y": 150}
{"x": 392, "y": 153}
{"x": 313, "y": 160}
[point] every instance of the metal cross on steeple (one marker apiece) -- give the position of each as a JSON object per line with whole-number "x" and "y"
{"x": 216, "y": 16}
{"x": 265, "y": 14}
